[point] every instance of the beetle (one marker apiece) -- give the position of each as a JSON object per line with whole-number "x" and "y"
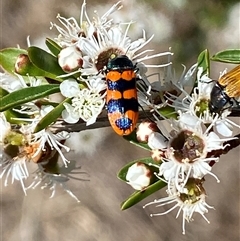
{"x": 225, "y": 91}
{"x": 122, "y": 103}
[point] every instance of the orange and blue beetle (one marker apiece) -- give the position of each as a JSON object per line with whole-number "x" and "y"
{"x": 122, "y": 103}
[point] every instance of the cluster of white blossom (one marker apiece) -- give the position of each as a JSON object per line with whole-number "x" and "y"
{"x": 183, "y": 153}
{"x": 86, "y": 48}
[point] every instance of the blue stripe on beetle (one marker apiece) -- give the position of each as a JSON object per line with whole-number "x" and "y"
{"x": 122, "y": 104}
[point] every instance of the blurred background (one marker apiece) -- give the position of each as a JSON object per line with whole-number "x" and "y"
{"x": 188, "y": 27}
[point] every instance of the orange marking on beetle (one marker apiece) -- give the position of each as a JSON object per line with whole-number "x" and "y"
{"x": 128, "y": 75}
{"x": 113, "y": 94}
{"x": 128, "y": 94}
{"x": 133, "y": 116}
{"x": 112, "y": 119}
{"x": 114, "y": 75}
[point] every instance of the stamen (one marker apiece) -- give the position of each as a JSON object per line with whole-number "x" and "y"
{"x": 83, "y": 10}
{"x": 126, "y": 31}
{"x": 166, "y": 212}
{"x": 157, "y": 66}
{"x": 117, "y": 6}
{"x": 155, "y": 56}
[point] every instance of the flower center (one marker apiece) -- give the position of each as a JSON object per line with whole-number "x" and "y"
{"x": 201, "y": 106}
{"x": 15, "y": 139}
{"x": 187, "y": 146}
{"x": 103, "y": 58}
{"x": 195, "y": 191}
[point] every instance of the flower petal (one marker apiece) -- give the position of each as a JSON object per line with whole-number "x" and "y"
{"x": 69, "y": 88}
{"x": 157, "y": 141}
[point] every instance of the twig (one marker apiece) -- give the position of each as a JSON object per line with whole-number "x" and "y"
{"x": 100, "y": 123}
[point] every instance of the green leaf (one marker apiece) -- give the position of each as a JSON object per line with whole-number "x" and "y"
{"x": 25, "y": 95}
{"x": 3, "y": 92}
{"x": 204, "y": 62}
{"x": 8, "y": 58}
{"x": 138, "y": 196}
{"x": 26, "y": 68}
{"x": 45, "y": 61}
{"x": 168, "y": 112}
{"x": 52, "y": 116}
{"x": 46, "y": 102}
{"x": 13, "y": 117}
{"x": 123, "y": 172}
{"x": 228, "y": 56}
{"x": 132, "y": 138}
{"x": 53, "y": 46}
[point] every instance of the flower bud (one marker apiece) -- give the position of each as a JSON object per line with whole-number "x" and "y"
{"x": 70, "y": 58}
{"x": 139, "y": 176}
{"x": 22, "y": 64}
{"x": 144, "y": 130}
{"x": 157, "y": 141}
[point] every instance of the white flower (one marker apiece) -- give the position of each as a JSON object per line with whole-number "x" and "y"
{"x": 113, "y": 42}
{"x": 17, "y": 168}
{"x": 44, "y": 137}
{"x": 11, "y": 82}
{"x": 5, "y": 128}
{"x": 138, "y": 176}
{"x": 155, "y": 92}
{"x": 86, "y": 104}
{"x": 101, "y": 39}
{"x": 197, "y": 105}
{"x": 187, "y": 153}
{"x": 15, "y": 82}
{"x": 190, "y": 201}
{"x": 96, "y": 83}
{"x": 72, "y": 31}
{"x": 69, "y": 115}
{"x": 69, "y": 88}
{"x": 171, "y": 83}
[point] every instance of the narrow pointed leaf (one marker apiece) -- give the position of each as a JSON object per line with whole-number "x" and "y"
{"x": 228, "y": 56}
{"x": 3, "y": 92}
{"x": 45, "y": 61}
{"x": 25, "y": 95}
{"x": 52, "y": 116}
{"x": 13, "y": 117}
{"x": 53, "y": 46}
{"x": 132, "y": 138}
{"x": 8, "y": 58}
{"x": 138, "y": 196}
{"x": 204, "y": 62}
